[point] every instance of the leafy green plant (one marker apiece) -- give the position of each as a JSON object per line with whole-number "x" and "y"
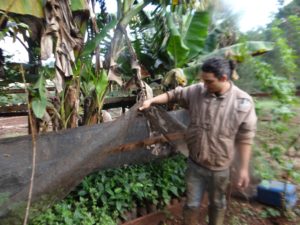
{"x": 261, "y": 168}
{"x": 169, "y": 180}
{"x": 276, "y": 152}
{"x": 235, "y": 220}
{"x": 69, "y": 214}
{"x": 281, "y": 88}
{"x": 12, "y": 99}
{"x": 283, "y": 112}
{"x": 269, "y": 212}
{"x": 248, "y": 212}
{"x": 116, "y": 191}
{"x": 39, "y": 98}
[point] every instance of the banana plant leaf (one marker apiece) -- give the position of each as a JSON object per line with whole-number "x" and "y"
{"x": 35, "y": 7}
{"x": 39, "y": 101}
{"x": 237, "y": 52}
{"x": 176, "y": 48}
{"x": 240, "y": 50}
{"x": 90, "y": 46}
{"x": 196, "y": 34}
{"x": 187, "y": 41}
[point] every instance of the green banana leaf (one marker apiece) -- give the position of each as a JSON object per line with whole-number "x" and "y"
{"x": 176, "y": 48}
{"x": 197, "y": 33}
{"x": 91, "y": 45}
{"x": 39, "y": 101}
{"x": 100, "y": 86}
{"x": 190, "y": 42}
{"x": 35, "y": 7}
{"x": 237, "y": 52}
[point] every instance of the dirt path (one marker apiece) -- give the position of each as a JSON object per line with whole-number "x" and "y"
{"x": 13, "y": 126}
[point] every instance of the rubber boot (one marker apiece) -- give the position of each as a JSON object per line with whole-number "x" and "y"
{"x": 190, "y": 216}
{"x": 216, "y": 216}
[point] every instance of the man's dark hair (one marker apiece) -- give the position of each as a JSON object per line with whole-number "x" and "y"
{"x": 219, "y": 67}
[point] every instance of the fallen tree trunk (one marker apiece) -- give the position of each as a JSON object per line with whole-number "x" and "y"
{"x": 65, "y": 158}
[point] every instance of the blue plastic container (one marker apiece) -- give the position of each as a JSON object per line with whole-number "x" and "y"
{"x": 276, "y": 193}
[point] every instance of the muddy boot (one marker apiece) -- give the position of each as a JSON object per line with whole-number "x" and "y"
{"x": 190, "y": 216}
{"x": 216, "y": 216}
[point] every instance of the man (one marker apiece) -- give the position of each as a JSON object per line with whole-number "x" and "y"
{"x": 222, "y": 119}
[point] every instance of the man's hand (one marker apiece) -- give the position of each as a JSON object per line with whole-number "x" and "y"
{"x": 244, "y": 155}
{"x": 244, "y": 179}
{"x": 160, "y": 99}
{"x": 146, "y": 104}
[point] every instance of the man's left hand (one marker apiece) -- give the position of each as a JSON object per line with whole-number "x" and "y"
{"x": 244, "y": 179}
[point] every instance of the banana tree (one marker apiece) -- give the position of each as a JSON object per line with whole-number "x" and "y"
{"x": 69, "y": 76}
{"x": 62, "y": 32}
{"x": 108, "y": 73}
{"x": 189, "y": 41}
{"x": 181, "y": 37}
{"x": 31, "y": 12}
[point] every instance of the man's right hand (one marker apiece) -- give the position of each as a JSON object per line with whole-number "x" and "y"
{"x": 160, "y": 99}
{"x": 146, "y": 104}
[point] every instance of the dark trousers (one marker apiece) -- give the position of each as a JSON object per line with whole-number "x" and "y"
{"x": 199, "y": 180}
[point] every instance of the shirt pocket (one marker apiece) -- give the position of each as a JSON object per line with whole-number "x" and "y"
{"x": 241, "y": 110}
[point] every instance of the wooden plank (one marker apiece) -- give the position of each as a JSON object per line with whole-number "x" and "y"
{"x": 115, "y": 102}
{"x": 22, "y": 110}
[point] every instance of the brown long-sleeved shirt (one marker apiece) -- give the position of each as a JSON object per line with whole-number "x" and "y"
{"x": 217, "y": 123}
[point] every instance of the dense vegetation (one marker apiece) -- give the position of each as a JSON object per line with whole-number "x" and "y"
{"x": 106, "y": 196}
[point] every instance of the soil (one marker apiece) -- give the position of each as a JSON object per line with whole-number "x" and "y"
{"x": 239, "y": 212}
{"x": 13, "y": 126}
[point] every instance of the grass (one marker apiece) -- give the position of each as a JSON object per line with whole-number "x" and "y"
{"x": 274, "y": 140}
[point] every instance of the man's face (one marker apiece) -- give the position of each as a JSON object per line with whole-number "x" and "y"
{"x": 212, "y": 83}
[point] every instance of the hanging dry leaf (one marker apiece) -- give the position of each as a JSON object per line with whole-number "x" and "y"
{"x": 114, "y": 76}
